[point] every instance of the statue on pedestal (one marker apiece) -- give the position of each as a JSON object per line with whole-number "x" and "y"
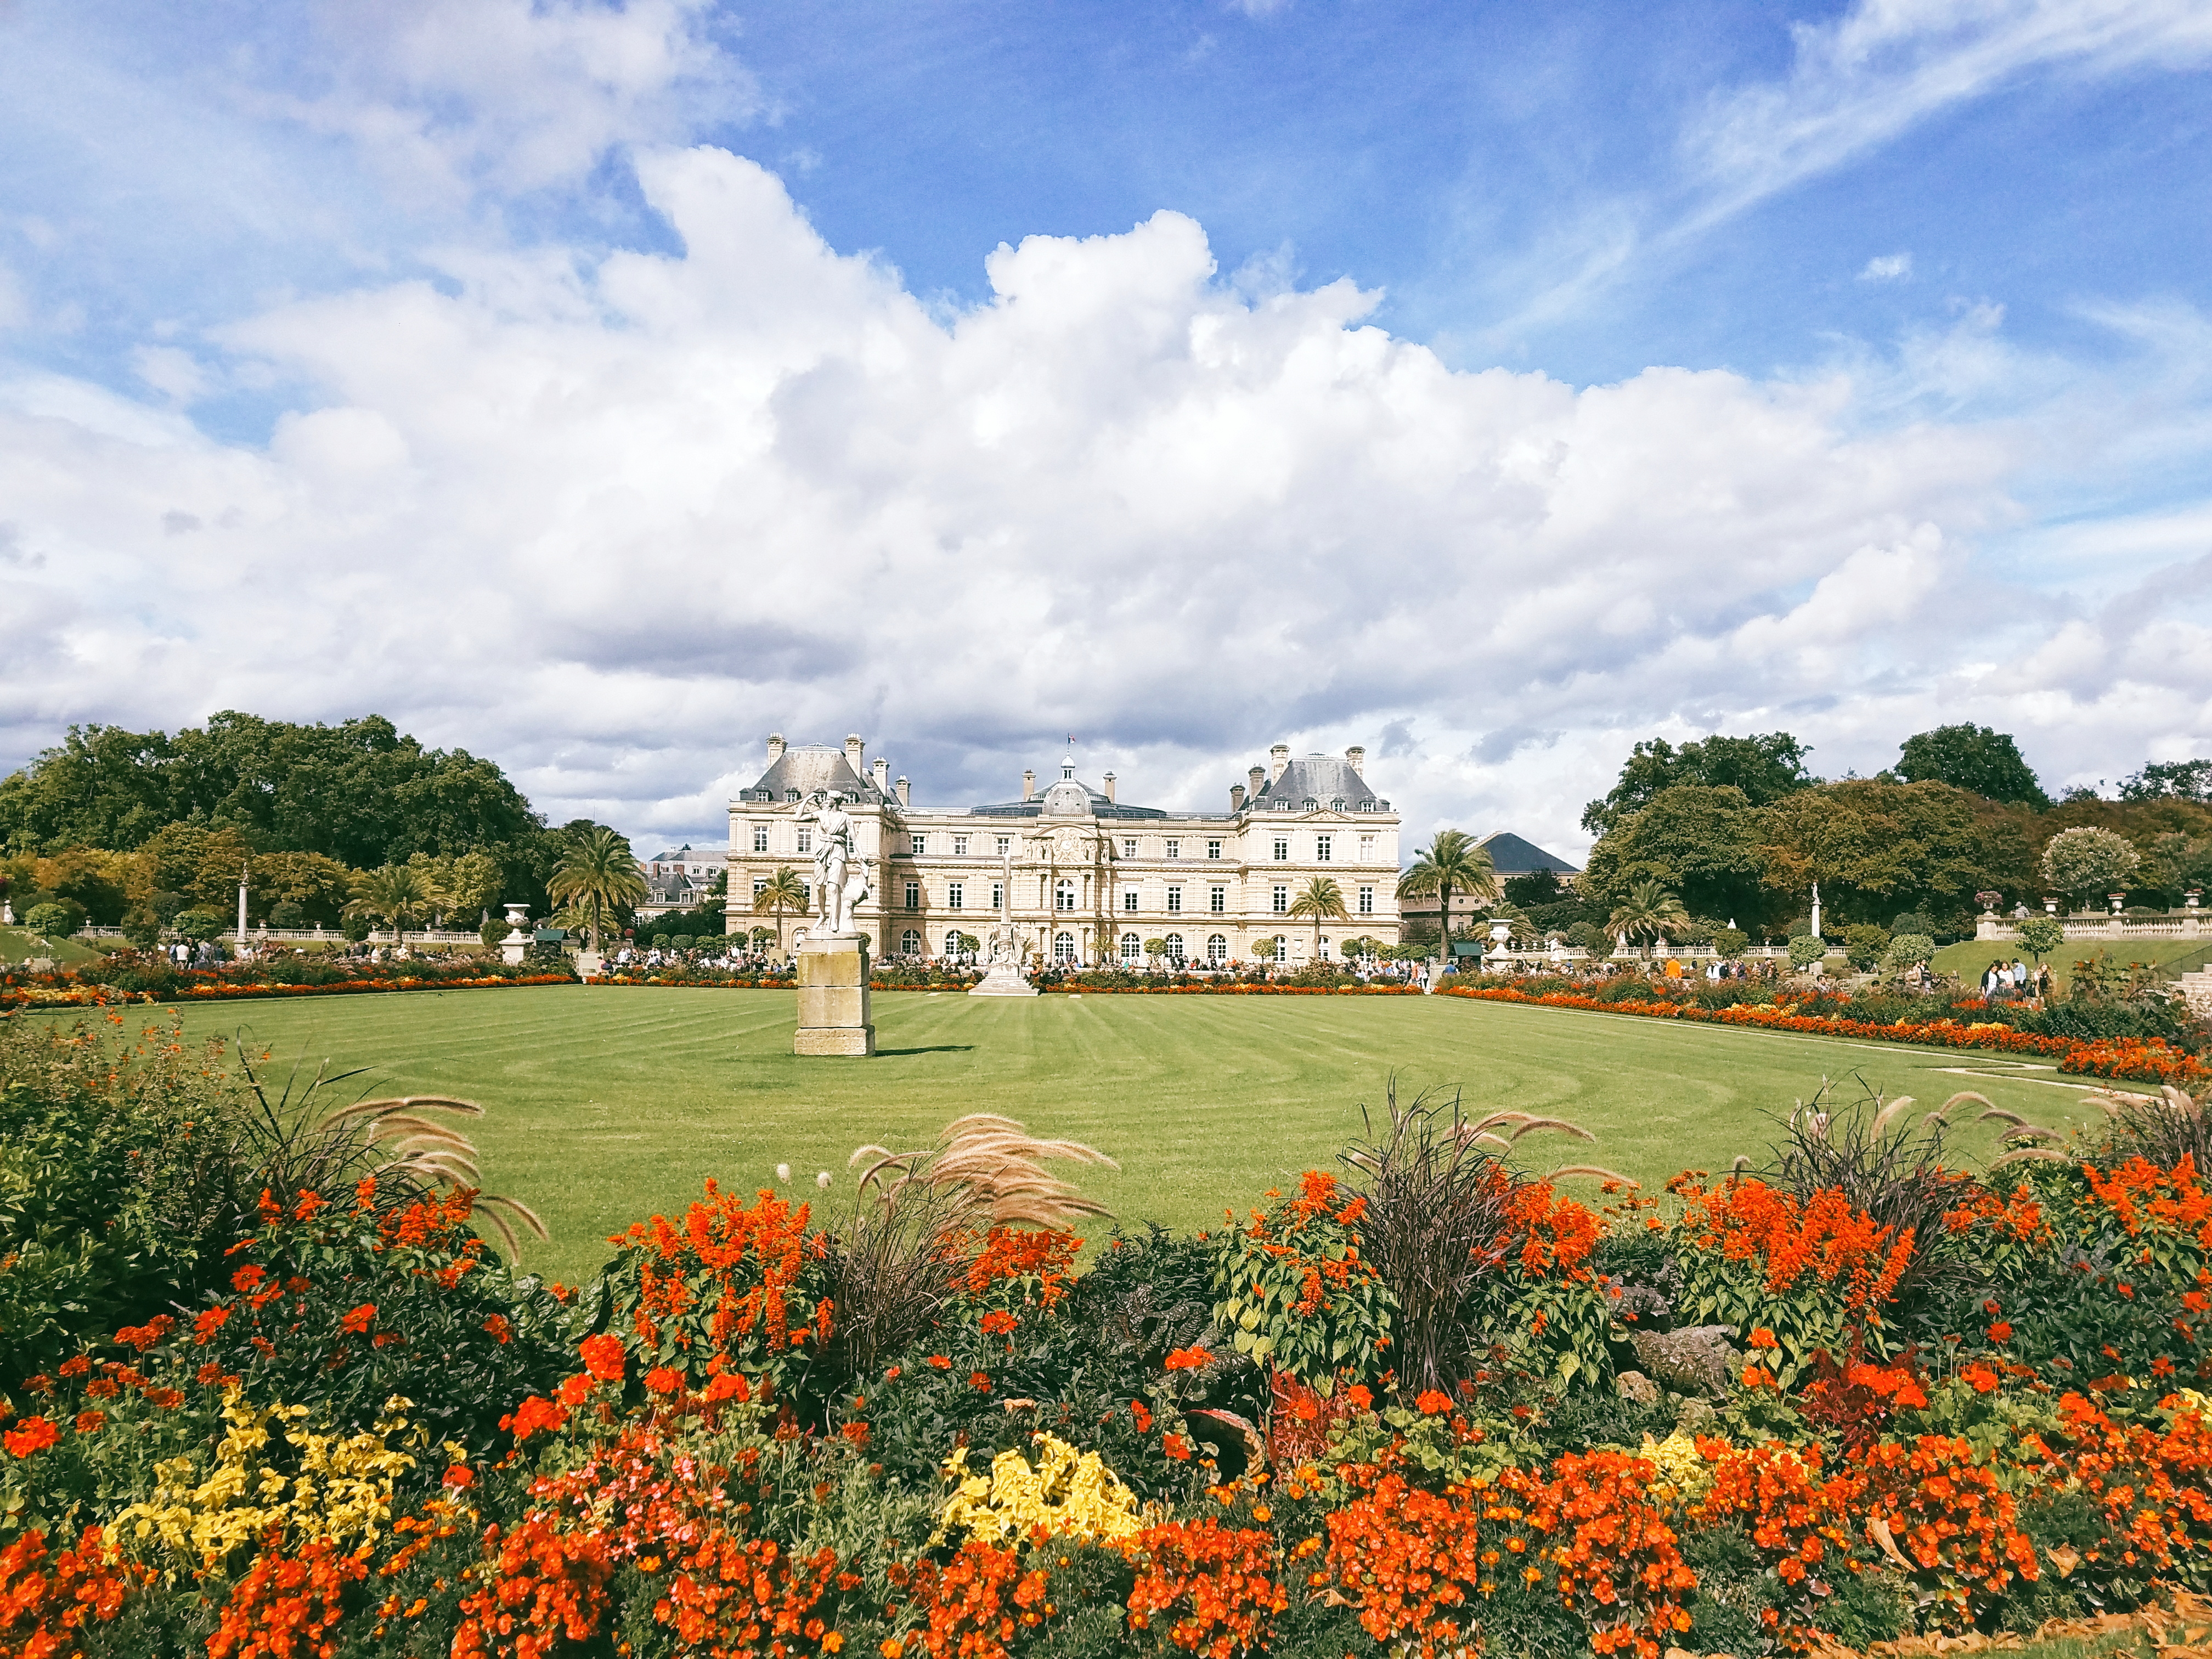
{"x": 833, "y": 859}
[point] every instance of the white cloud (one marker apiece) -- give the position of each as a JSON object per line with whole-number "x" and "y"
{"x": 1886, "y": 268}
{"x": 610, "y": 522}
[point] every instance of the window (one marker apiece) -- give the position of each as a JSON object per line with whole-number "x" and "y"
{"x": 910, "y": 942}
{"x": 1063, "y": 947}
{"x": 960, "y": 846}
{"x": 1175, "y": 900}
{"x": 914, "y": 896}
{"x": 1322, "y": 854}
{"x": 1175, "y": 849}
{"x": 1128, "y": 846}
{"x": 921, "y": 845}
{"x": 1005, "y": 845}
{"x": 760, "y": 838}
{"x": 1282, "y": 847}
{"x": 1282, "y": 901}
{"x": 760, "y": 886}
{"x": 807, "y": 841}
{"x": 1173, "y": 942}
{"x": 1217, "y": 900}
{"x": 955, "y": 895}
{"x": 1213, "y": 849}
{"x": 1216, "y": 948}
{"x": 1128, "y": 899}
{"x": 998, "y": 896}
{"x": 1282, "y": 948}
{"x": 1133, "y": 948}
{"x": 1367, "y": 901}
{"x": 1367, "y": 849}
{"x": 1063, "y": 895}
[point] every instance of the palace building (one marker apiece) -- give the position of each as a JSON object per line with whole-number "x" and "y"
{"x": 1092, "y": 879}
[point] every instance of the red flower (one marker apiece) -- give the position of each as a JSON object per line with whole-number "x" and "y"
{"x": 248, "y": 1277}
{"x": 533, "y": 1414}
{"x": 938, "y": 1362}
{"x": 205, "y": 1327}
{"x": 1189, "y": 1359}
{"x": 603, "y": 1357}
{"x": 35, "y": 1435}
{"x": 2001, "y": 1332}
{"x": 1434, "y": 1403}
{"x": 728, "y": 1387}
{"x": 999, "y": 1322}
{"x": 460, "y": 1476}
{"x": 663, "y": 1379}
{"x": 1359, "y": 1396}
{"x": 980, "y": 1380}
{"x": 500, "y": 1330}
{"x": 1763, "y": 1338}
{"x": 308, "y": 1204}
{"x": 360, "y": 1319}
{"x": 91, "y": 1422}
{"x": 1175, "y": 1447}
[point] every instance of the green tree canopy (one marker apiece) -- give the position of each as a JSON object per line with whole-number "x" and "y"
{"x": 2086, "y": 863}
{"x": 598, "y": 875}
{"x": 784, "y": 891}
{"x": 1320, "y": 900}
{"x": 1876, "y": 847}
{"x": 1974, "y": 758}
{"x": 1702, "y": 843}
{"x": 1765, "y": 768}
{"x": 2188, "y": 780}
{"x": 1452, "y": 862}
{"x": 1646, "y": 911}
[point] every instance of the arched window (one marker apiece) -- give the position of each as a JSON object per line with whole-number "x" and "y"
{"x": 1133, "y": 948}
{"x": 1173, "y": 942}
{"x": 1063, "y": 896}
{"x": 1063, "y": 947}
{"x": 910, "y": 942}
{"x": 1216, "y": 948}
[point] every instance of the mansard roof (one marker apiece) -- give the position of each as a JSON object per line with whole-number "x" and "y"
{"x": 801, "y": 769}
{"x": 1100, "y": 807}
{"x": 1318, "y": 780}
{"x": 1509, "y": 855}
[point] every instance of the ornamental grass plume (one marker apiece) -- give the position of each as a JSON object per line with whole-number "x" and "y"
{"x": 2164, "y": 1127}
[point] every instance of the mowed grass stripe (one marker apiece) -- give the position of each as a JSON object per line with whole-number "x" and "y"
{"x": 603, "y": 1106}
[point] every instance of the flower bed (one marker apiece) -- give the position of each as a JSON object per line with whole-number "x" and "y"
{"x": 2141, "y": 1059}
{"x": 128, "y": 977}
{"x": 1232, "y": 988}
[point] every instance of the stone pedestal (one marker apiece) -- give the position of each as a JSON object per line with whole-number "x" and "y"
{"x": 833, "y": 997}
{"x": 1002, "y": 979}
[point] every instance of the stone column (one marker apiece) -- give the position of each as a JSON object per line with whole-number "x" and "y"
{"x": 833, "y": 997}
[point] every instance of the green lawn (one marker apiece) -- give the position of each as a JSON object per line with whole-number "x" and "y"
{"x": 2173, "y": 958}
{"x": 21, "y": 943}
{"x": 605, "y": 1105}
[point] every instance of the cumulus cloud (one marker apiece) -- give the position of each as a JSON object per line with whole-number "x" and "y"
{"x": 611, "y": 521}
{"x": 1886, "y": 268}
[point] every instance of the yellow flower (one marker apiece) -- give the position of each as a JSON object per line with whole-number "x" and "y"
{"x": 1065, "y": 1492}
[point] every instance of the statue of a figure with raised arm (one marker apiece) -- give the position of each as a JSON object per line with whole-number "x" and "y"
{"x": 833, "y": 857}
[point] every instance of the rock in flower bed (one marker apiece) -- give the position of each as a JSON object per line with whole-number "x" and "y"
{"x": 1397, "y": 1411}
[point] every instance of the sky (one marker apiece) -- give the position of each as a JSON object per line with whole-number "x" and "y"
{"x": 600, "y": 388}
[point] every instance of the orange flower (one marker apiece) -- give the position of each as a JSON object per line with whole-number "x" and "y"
{"x": 1762, "y": 1337}
{"x": 209, "y": 1323}
{"x": 1189, "y": 1359}
{"x": 360, "y": 1319}
{"x": 1434, "y": 1403}
{"x": 1175, "y": 1447}
{"x": 663, "y": 1379}
{"x": 91, "y": 1422}
{"x": 603, "y": 1357}
{"x": 33, "y": 1435}
{"x": 502, "y": 1331}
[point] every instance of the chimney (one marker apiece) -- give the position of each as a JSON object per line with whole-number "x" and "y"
{"x": 901, "y": 787}
{"x": 1356, "y": 758}
{"x": 1109, "y": 786}
{"x": 1236, "y": 797}
{"x": 1029, "y": 783}
{"x": 882, "y": 776}
{"x": 1278, "y": 757}
{"x": 774, "y": 747}
{"x": 855, "y": 751}
{"x": 1258, "y": 774}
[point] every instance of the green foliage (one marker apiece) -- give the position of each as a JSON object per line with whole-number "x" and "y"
{"x": 1290, "y": 1284}
{"x": 56, "y": 919}
{"x": 1972, "y": 758}
{"x": 198, "y": 926}
{"x": 1762, "y": 768}
{"x": 494, "y": 932}
{"x": 1647, "y": 911}
{"x": 1453, "y": 862}
{"x": 1805, "y": 949}
{"x": 1702, "y": 843}
{"x": 2188, "y": 780}
{"x": 1873, "y": 845}
{"x": 1908, "y": 950}
{"x": 1863, "y": 946}
{"x": 2085, "y": 863}
{"x": 2041, "y": 935}
{"x": 1730, "y": 942}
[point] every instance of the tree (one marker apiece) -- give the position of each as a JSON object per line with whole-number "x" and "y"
{"x": 783, "y": 892}
{"x": 2087, "y": 863}
{"x": 1730, "y": 942}
{"x": 2189, "y": 780}
{"x": 1863, "y": 945}
{"x": 1908, "y": 950}
{"x": 1974, "y": 758}
{"x": 1806, "y": 949}
{"x": 1698, "y": 841}
{"x": 1453, "y": 862}
{"x": 599, "y": 874}
{"x": 1264, "y": 949}
{"x": 1765, "y": 768}
{"x": 55, "y": 918}
{"x": 394, "y": 894}
{"x": 1646, "y": 912}
{"x": 1320, "y": 900}
{"x": 198, "y": 926}
{"x": 2041, "y": 935}
{"x": 1876, "y": 847}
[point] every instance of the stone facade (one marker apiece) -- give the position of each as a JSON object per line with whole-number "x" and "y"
{"x": 1092, "y": 877}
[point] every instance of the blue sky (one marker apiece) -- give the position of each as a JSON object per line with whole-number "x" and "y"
{"x": 1584, "y": 373}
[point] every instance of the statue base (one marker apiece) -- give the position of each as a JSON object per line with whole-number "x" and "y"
{"x": 1002, "y": 979}
{"x": 833, "y": 997}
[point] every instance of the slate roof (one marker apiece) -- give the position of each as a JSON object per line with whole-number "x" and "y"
{"x": 1318, "y": 780}
{"x": 1509, "y": 855}
{"x": 805, "y": 768}
{"x": 1100, "y": 807}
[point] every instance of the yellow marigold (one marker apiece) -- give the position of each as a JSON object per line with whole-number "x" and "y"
{"x": 1681, "y": 1466}
{"x": 1065, "y": 1492}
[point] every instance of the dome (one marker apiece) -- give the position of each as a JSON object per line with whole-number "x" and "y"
{"x": 1067, "y": 800}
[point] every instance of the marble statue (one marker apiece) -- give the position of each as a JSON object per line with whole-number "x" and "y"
{"x": 833, "y": 861}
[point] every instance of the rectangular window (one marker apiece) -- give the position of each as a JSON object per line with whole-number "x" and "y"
{"x": 1322, "y": 854}
{"x": 1128, "y": 846}
{"x": 760, "y": 886}
{"x": 1175, "y": 849}
{"x": 1005, "y": 845}
{"x": 960, "y": 846}
{"x": 914, "y": 896}
{"x": 1282, "y": 847}
{"x": 807, "y": 841}
{"x": 1128, "y": 899}
{"x": 1282, "y": 901}
{"x": 1367, "y": 901}
{"x": 921, "y": 845}
{"x": 956, "y": 895}
{"x": 1367, "y": 849}
{"x": 760, "y": 838}
{"x": 1217, "y": 900}
{"x": 1175, "y": 900}
{"x": 1213, "y": 849}
{"x": 998, "y": 894}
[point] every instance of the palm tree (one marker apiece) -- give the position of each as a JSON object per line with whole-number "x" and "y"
{"x": 783, "y": 892}
{"x": 1320, "y": 900}
{"x": 1453, "y": 862}
{"x": 1646, "y": 912}
{"x": 599, "y": 873}
{"x": 396, "y": 893}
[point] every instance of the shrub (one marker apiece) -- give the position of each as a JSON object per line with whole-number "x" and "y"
{"x": 141, "y": 929}
{"x": 1730, "y": 942}
{"x": 200, "y": 925}
{"x": 1863, "y": 946}
{"x": 56, "y": 919}
{"x": 493, "y": 933}
{"x": 1805, "y": 949}
{"x": 1908, "y": 950}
